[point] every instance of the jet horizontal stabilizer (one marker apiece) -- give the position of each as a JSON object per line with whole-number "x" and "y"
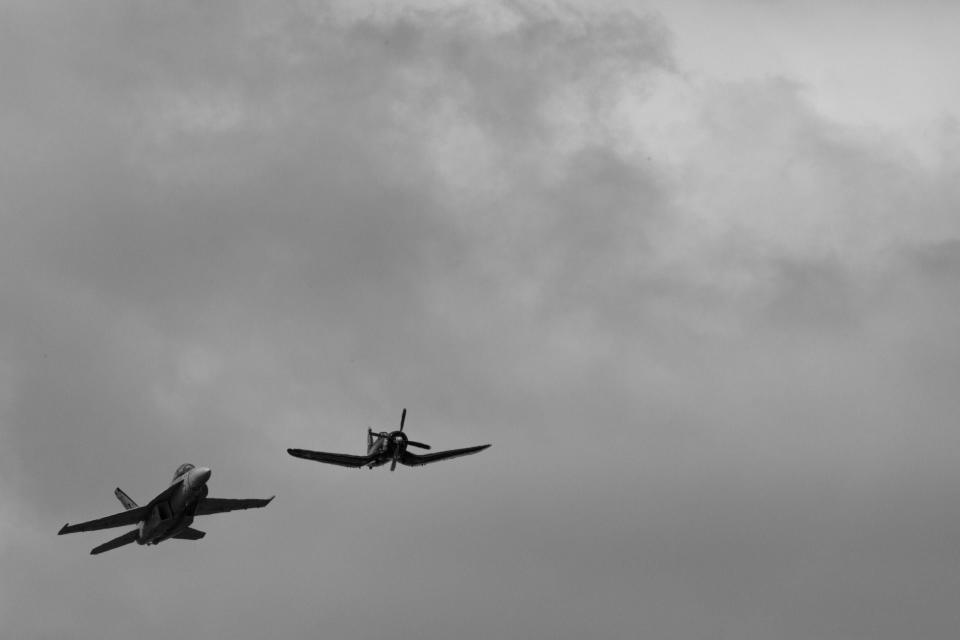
{"x": 190, "y": 534}
{"x": 119, "y": 541}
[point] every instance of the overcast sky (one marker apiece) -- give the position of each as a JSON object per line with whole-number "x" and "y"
{"x": 693, "y": 269}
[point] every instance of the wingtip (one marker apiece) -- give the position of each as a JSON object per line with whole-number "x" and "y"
{"x": 63, "y": 529}
{"x": 270, "y": 499}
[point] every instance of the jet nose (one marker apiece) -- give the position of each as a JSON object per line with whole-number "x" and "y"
{"x": 199, "y": 476}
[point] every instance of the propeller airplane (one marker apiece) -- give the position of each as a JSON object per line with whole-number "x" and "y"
{"x": 386, "y": 447}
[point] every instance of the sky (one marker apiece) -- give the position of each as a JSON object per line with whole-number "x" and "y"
{"x": 693, "y": 269}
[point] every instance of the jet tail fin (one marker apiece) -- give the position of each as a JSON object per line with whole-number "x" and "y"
{"x": 124, "y": 499}
{"x": 127, "y": 538}
{"x": 189, "y": 534}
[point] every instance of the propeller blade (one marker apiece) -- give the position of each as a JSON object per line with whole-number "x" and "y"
{"x": 394, "y": 465}
{"x": 403, "y": 418}
{"x": 418, "y": 444}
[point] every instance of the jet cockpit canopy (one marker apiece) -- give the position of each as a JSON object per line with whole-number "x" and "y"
{"x": 182, "y": 469}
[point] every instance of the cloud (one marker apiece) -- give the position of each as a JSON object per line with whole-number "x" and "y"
{"x": 706, "y": 328}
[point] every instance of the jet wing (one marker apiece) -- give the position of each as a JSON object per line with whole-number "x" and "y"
{"x": 208, "y": 506}
{"x": 414, "y": 460}
{"x": 342, "y": 459}
{"x": 123, "y": 519}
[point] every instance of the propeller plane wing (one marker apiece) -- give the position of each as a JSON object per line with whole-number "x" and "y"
{"x": 341, "y": 459}
{"x": 415, "y": 460}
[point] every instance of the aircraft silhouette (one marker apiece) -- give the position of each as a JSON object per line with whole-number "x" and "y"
{"x": 386, "y": 447}
{"x": 169, "y": 515}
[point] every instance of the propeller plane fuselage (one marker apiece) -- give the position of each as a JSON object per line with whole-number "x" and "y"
{"x": 385, "y": 447}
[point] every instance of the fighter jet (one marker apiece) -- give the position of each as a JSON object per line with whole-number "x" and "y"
{"x": 386, "y": 447}
{"x": 169, "y": 515}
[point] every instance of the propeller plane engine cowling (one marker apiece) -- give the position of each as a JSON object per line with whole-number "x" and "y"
{"x": 400, "y": 441}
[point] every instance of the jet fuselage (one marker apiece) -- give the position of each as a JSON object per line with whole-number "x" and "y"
{"x": 172, "y": 511}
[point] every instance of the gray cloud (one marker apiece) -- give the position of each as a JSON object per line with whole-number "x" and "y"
{"x": 720, "y": 388}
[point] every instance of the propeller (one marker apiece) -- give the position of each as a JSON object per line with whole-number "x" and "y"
{"x": 412, "y": 443}
{"x": 402, "y": 441}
